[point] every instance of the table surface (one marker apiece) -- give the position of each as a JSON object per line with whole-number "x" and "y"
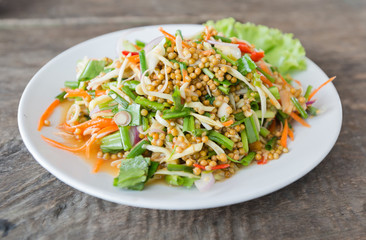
{"x": 327, "y": 203}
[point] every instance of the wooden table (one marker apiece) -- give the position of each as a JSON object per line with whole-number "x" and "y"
{"x": 328, "y": 203}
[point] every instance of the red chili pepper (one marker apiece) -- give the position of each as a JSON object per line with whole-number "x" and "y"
{"x": 245, "y": 47}
{"x": 256, "y": 56}
{"x": 262, "y": 161}
{"x": 221, "y": 166}
{"x": 199, "y": 166}
{"x": 127, "y": 52}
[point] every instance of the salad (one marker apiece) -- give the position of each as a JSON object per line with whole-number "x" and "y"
{"x": 189, "y": 110}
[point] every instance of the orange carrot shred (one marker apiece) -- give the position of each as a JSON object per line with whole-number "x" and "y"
{"x": 298, "y": 82}
{"x": 107, "y": 130}
{"x": 284, "y": 135}
{"x": 228, "y": 123}
{"x": 97, "y": 165}
{"x": 266, "y": 81}
{"x": 299, "y": 119}
{"x": 291, "y": 134}
{"x": 284, "y": 81}
{"x": 47, "y": 113}
{"x": 76, "y": 93}
{"x": 89, "y": 144}
{"x": 316, "y": 90}
{"x": 208, "y": 34}
{"x": 100, "y": 92}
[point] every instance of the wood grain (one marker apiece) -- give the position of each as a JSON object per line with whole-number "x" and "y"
{"x": 327, "y": 203}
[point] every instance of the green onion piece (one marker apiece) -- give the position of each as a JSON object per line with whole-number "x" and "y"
{"x": 308, "y": 91}
{"x": 299, "y": 108}
{"x": 71, "y": 84}
{"x": 208, "y": 73}
{"x": 221, "y": 139}
{"x": 245, "y": 65}
{"x": 179, "y": 33}
{"x": 244, "y": 140}
{"x": 176, "y": 114}
{"x": 271, "y": 143}
{"x": 174, "y": 180}
{"x": 225, "y": 90}
{"x": 237, "y": 123}
{"x": 198, "y": 132}
{"x": 224, "y": 39}
{"x": 275, "y": 92}
{"x": 149, "y": 104}
{"x": 188, "y": 124}
{"x": 225, "y": 82}
{"x": 169, "y": 137}
{"x": 239, "y": 116}
{"x": 145, "y": 123}
{"x": 177, "y": 99}
{"x": 125, "y": 137}
{"x": 138, "y": 149}
{"x": 143, "y": 63}
{"x": 131, "y": 84}
{"x": 178, "y": 167}
{"x": 223, "y": 119}
{"x": 254, "y": 105}
{"x": 225, "y": 57}
{"x": 118, "y": 99}
{"x": 152, "y": 169}
{"x": 313, "y": 111}
{"x": 174, "y": 61}
{"x": 269, "y": 77}
{"x": 61, "y": 96}
{"x": 251, "y": 130}
{"x": 268, "y": 114}
{"x": 128, "y": 92}
{"x": 140, "y": 43}
{"x": 264, "y": 132}
{"x": 248, "y": 159}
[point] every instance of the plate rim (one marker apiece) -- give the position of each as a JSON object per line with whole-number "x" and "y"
{"x": 152, "y": 205}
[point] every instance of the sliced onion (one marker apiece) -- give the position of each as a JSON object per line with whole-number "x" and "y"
{"x": 208, "y": 91}
{"x": 218, "y": 150}
{"x": 222, "y": 112}
{"x": 134, "y": 135}
{"x": 166, "y": 80}
{"x": 122, "y": 70}
{"x": 205, "y": 183}
{"x": 104, "y": 113}
{"x": 182, "y": 89}
{"x": 73, "y": 114}
{"x": 149, "y": 46}
{"x": 122, "y": 118}
{"x": 160, "y": 119}
{"x": 178, "y": 41}
{"x": 232, "y": 100}
{"x": 241, "y": 91}
{"x": 152, "y": 130}
{"x": 241, "y": 103}
{"x": 223, "y": 43}
{"x": 263, "y": 102}
{"x": 310, "y": 102}
{"x": 205, "y": 125}
{"x": 238, "y": 75}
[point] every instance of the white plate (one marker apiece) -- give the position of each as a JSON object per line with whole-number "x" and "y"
{"x": 310, "y": 147}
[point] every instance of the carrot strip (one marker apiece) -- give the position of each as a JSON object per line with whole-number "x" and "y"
{"x": 266, "y": 81}
{"x": 100, "y": 93}
{"x": 221, "y": 166}
{"x": 97, "y": 165}
{"x": 264, "y": 67}
{"x": 284, "y": 135}
{"x": 208, "y": 34}
{"x": 284, "y": 81}
{"x": 97, "y": 122}
{"x": 272, "y": 128}
{"x": 199, "y": 166}
{"x": 134, "y": 59}
{"x": 47, "y": 113}
{"x": 75, "y": 93}
{"x": 316, "y": 90}
{"x": 107, "y": 130}
{"x": 171, "y": 37}
{"x": 291, "y": 134}
{"x": 207, "y": 52}
{"x": 299, "y": 119}
{"x": 89, "y": 144}
{"x": 228, "y": 123}
{"x": 298, "y": 82}
{"x": 62, "y": 146}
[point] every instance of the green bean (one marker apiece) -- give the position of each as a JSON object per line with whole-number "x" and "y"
{"x": 128, "y": 92}
{"x": 308, "y": 91}
{"x": 224, "y": 39}
{"x": 145, "y": 123}
{"x": 269, "y": 77}
{"x": 225, "y": 90}
{"x": 138, "y": 149}
{"x": 244, "y": 140}
{"x": 118, "y": 99}
{"x": 221, "y": 139}
{"x": 125, "y": 137}
{"x": 131, "y": 84}
{"x": 176, "y": 114}
{"x": 178, "y": 167}
{"x": 264, "y": 132}
{"x": 71, "y": 84}
{"x": 140, "y": 43}
{"x": 149, "y": 104}
{"x": 143, "y": 63}
{"x": 299, "y": 108}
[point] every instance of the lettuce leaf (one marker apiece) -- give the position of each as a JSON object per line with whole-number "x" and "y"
{"x": 281, "y": 49}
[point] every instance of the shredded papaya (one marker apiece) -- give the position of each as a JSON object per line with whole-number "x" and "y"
{"x": 316, "y": 90}
{"x": 47, "y": 113}
{"x": 298, "y": 119}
